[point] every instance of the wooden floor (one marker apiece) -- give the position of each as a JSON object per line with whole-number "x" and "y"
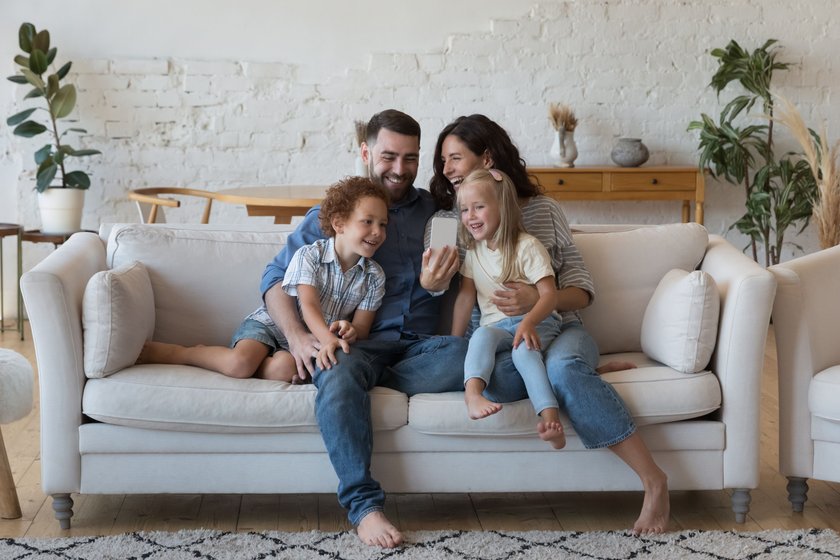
{"x": 100, "y": 515}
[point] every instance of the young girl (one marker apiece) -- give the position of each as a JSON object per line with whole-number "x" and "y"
{"x": 499, "y": 251}
{"x": 333, "y": 280}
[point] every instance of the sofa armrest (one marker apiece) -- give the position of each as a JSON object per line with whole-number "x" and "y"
{"x": 53, "y": 292}
{"x": 806, "y": 318}
{"x": 746, "y": 291}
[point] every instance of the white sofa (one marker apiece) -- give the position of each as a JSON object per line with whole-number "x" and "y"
{"x": 806, "y": 320}
{"x": 176, "y": 429}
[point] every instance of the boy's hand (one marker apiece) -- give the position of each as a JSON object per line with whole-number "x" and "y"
{"x": 527, "y": 334}
{"x": 344, "y": 330}
{"x": 326, "y": 355}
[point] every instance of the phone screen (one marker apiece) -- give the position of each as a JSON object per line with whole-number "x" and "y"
{"x": 444, "y": 232}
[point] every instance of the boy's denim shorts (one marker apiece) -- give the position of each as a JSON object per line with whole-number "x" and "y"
{"x": 252, "y": 329}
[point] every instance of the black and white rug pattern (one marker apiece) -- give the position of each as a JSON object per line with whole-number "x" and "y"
{"x": 435, "y": 545}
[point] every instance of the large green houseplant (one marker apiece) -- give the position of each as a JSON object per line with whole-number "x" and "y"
{"x": 780, "y": 189}
{"x": 57, "y": 101}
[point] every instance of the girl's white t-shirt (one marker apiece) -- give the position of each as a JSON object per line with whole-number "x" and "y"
{"x": 484, "y": 265}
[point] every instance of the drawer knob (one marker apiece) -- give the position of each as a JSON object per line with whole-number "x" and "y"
{"x": 654, "y": 181}
{"x": 561, "y": 181}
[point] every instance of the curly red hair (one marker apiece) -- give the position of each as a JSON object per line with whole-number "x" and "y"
{"x": 342, "y": 198}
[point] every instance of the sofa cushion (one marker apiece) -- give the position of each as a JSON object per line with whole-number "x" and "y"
{"x": 655, "y": 394}
{"x": 824, "y": 394}
{"x": 186, "y": 398}
{"x": 205, "y": 281}
{"x": 626, "y": 267}
{"x": 118, "y": 316}
{"x": 679, "y": 327}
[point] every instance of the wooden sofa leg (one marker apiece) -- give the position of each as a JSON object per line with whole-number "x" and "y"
{"x": 797, "y": 488}
{"x": 741, "y": 504}
{"x": 9, "y": 504}
{"x": 63, "y": 507}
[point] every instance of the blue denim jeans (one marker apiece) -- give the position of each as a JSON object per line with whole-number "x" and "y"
{"x": 487, "y": 340}
{"x": 597, "y": 413}
{"x": 342, "y": 407}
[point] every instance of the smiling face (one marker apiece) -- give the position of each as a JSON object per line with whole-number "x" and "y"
{"x": 392, "y": 161}
{"x": 458, "y": 160}
{"x": 480, "y": 214}
{"x": 361, "y": 233}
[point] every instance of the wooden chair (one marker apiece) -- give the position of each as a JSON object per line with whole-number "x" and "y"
{"x": 149, "y": 202}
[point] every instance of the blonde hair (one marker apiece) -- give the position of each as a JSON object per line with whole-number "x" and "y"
{"x": 510, "y": 219}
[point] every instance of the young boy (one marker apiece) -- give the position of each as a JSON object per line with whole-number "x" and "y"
{"x": 337, "y": 285}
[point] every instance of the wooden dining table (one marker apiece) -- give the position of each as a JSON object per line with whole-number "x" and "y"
{"x": 280, "y": 202}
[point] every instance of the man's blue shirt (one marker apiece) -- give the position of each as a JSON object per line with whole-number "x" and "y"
{"x": 407, "y": 309}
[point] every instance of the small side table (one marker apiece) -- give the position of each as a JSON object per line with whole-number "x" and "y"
{"x": 7, "y": 230}
{"x": 37, "y": 236}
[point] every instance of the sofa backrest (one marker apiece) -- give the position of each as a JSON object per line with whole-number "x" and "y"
{"x": 206, "y": 278}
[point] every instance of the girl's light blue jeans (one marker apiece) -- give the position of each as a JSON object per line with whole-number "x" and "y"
{"x": 489, "y": 339}
{"x": 597, "y": 413}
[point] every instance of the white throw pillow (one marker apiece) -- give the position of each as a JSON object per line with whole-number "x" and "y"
{"x": 118, "y": 316}
{"x": 679, "y": 328}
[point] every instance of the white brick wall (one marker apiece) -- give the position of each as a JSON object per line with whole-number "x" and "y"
{"x": 627, "y": 67}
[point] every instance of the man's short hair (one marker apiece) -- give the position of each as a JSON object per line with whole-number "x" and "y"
{"x": 393, "y": 120}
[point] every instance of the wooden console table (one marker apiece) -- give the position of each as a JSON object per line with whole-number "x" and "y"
{"x": 626, "y": 183}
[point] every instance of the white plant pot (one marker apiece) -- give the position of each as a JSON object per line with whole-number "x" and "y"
{"x": 61, "y": 210}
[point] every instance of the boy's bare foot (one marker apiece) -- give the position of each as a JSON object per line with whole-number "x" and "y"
{"x": 478, "y": 407}
{"x": 615, "y": 365}
{"x": 552, "y": 432}
{"x": 656, "y": 509}
{"x": 375, "y": 530}
{"x": 158, "y": 353}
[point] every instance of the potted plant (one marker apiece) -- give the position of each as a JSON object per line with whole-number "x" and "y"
{"x": 780, "y": 189}
{"x": 60, "y": 192}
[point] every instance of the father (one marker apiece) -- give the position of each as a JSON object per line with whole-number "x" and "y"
{"x": 402, "y": 352}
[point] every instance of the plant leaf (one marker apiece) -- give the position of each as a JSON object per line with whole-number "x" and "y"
{"x": 34, "y": 93}
{"x": 51, "y": 55}
{"x": 29, "y": 129}
{"x": 18, "y": 79}
{"x": 21, "y": 60}
{"x": 46, "y": 174}
{"x": 38, "y": 62}
{"x": 77, "y": 180}
{"x": 19, "y": 117}
{"x": 33, "y": 78}
{"x": 26, "y": 36}
{"x": 64, "y": 101}
{"x": 52, "y": 85}
{"x": 86, "y": 152}
{"x": 42, "y": 41}
{"x": 42, "y": 154}
{"x": 63, "y": 70}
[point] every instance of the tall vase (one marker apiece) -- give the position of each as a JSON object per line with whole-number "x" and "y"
{"x": 558, "y": 148}
{"x": 569, "y": 151}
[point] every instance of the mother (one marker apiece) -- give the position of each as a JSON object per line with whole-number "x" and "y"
{"x": 597, "y": 413}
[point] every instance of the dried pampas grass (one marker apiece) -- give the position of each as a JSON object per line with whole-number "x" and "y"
{"x": 361, "y": 132}
{"x": 562, "y": 117}
{"x": 825, "y": 167}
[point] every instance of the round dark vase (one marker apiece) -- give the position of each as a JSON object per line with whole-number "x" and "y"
{"x": 629, "y": 152}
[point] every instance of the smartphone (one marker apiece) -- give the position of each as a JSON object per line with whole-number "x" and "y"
{"x": 444, "y": 232}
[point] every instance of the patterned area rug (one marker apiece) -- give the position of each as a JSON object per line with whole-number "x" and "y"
{"x": 435, "y": 545}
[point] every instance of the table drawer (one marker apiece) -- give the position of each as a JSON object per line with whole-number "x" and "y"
{"x": 560, "y": 181}
{"x": 653, "y": 181}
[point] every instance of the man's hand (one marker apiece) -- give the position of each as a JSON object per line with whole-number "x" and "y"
{"x": 517, "y": 300}
{"x": 303, "y": 346}
{"x": 326, "y": 356}
{"x": 439, "y": 266}
{"x": 526, "y": 333}
{"x": 344, "y": 330}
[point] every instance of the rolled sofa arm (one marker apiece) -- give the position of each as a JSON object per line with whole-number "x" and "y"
{"x": 53, "y": 292}
{"x": 746, "y": 291}
{"x": 806, "y": 318}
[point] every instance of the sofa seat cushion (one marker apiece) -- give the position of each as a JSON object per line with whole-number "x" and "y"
{"x": 823, "y": 396}
{"x": 186, "y": 398}
{"x": 654, "y": 393}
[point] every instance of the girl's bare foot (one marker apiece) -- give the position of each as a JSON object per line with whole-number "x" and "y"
{"x": 375, "y": 530}
{"x": 656, "y": 509}
{"x": 478, "y": 407}
{"x": 158, "y": 353}
{"x": 552, "y": 432}
{"x": 615, "y": 365}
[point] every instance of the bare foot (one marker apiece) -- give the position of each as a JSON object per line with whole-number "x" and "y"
{"x": 656, "y": 509}
{"x": 552, "y": 432}
{"x": 375, "y": 530}
{"x": 479, "y": 407}
{"x": 158, "y": 353}
{"x": 615, "y": 365}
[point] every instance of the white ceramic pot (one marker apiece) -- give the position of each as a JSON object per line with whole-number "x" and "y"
{"x": 61, "y": 210}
